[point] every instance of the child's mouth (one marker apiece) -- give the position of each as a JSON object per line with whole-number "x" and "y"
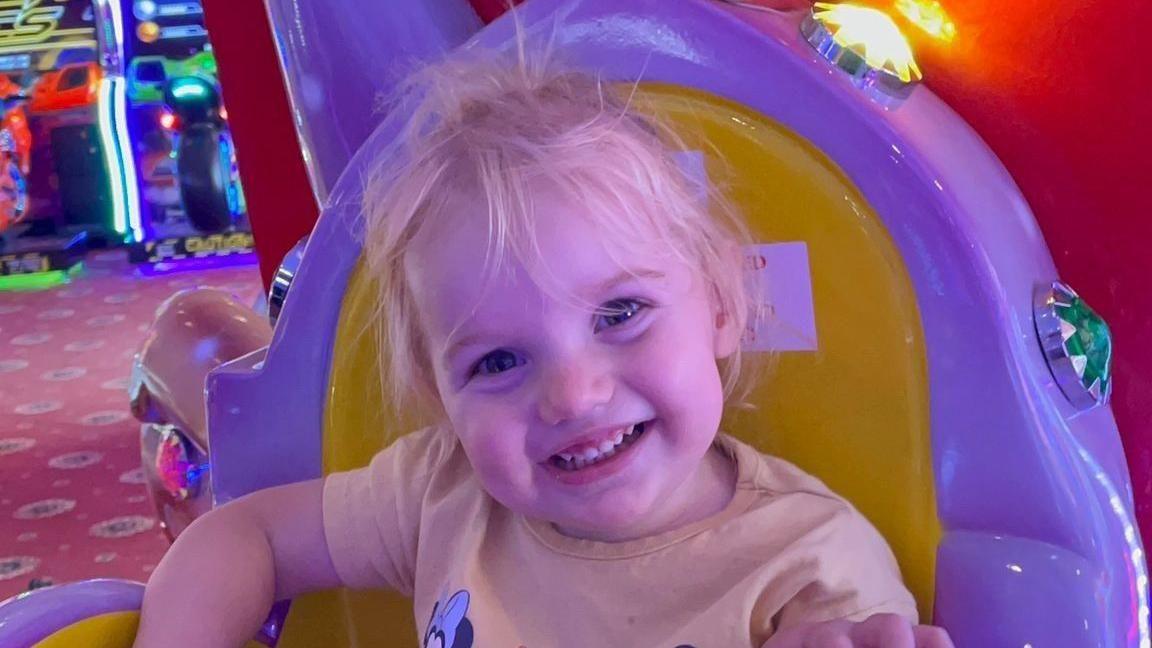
{"x": 595, "y": 456}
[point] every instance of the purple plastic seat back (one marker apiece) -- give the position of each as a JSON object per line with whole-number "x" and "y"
{"x": 1040, "y": 546}
{"x": 340, "y": 60}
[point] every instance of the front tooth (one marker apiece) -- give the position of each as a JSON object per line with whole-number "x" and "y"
{"x": 618, "y": 438}
{"x": 606, "y": 446}
{"x": 590, "y": 454}
{"x": 565, "y": 456}
{"x": 631, "y": 430}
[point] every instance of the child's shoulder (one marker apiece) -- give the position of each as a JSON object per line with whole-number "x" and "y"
{"x": 774, "y": 477}
{"x": 787, "y": 504}
{"x": 423, "y": 451}
{"x": 433, "y": 441}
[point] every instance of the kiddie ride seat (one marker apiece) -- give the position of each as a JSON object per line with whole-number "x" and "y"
{"x": 931, "y": 368}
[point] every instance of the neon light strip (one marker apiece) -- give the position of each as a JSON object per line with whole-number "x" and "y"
{"x": 114, "y": 135}
{"x": 172, "y": 266}
{"x": 40, "y": 280}
{"x": 41, "y": 47}
{"x": 183, "y": 9}
{"x": 127, "y": 158}
{"x": 182, "y": 31}
{"x": 117, "y": 30}
{"x": 124, "y": 148}
{"x": 109, "y": 145}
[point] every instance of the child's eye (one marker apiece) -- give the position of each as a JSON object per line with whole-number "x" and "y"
{"x": 496, "y": 362}
{"x": 617, "y": 312}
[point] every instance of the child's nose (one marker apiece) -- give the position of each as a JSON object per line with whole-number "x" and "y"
{"x": 573, "y": 390}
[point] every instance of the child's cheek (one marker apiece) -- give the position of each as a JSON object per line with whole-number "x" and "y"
{"x": 676, "y": 368}
{"x": 494, "y": 439}
{"x": 677, "y": 351}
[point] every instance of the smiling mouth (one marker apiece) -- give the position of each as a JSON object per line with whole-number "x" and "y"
{"x": 593, "y": 456}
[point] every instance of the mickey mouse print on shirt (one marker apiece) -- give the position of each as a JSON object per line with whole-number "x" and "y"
{"x": 449, "y": 626}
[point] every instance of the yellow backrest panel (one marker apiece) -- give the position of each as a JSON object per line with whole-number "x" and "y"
{"x": 854, "y": 412}
{"x": 348, "y": 618}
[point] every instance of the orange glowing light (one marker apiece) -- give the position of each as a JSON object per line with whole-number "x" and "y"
{"x": 168, "y": 120}
{"x": 148, "y": 32}
{"x": 871, "y": 34}
{"x": 929, "y": 16}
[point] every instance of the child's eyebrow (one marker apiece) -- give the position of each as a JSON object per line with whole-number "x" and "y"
{"x": 625, "y": 276}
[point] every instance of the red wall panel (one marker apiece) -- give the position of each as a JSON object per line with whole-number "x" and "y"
{"x": 281, "y": 206}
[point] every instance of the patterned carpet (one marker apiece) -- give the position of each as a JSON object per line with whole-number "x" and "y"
{"x": 72, "y": 504}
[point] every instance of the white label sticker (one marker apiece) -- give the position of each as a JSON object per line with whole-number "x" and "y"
{"x": 783, "y": 312}
{"x": 691, "y": 163}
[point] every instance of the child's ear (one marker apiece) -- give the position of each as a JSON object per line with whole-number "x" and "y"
{"x": 727, "y": 335}
{"x": 728, "y": 330}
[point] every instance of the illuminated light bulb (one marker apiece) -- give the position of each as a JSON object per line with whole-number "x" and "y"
{"x": 177, "y": 473}
{"x": 172, "y": 466}
{"x": 144, "y": 9}
{"x": 148, "y": 32}
{"x": 929, "y": 16}
{"x": 185, "y": 90}
{"x": 872, "y": 35}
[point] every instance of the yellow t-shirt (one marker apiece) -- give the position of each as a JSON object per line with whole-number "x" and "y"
{"x": 786, "y": 550}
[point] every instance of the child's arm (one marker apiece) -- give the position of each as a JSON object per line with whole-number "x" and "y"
{"x": 216, "y": 584}
{"x": 880, "y": 630}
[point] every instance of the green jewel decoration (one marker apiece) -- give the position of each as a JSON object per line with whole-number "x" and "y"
{"x": 1077, "y": 345}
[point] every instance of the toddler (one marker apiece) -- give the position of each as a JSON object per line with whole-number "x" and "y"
{"x": 564, "y": 304}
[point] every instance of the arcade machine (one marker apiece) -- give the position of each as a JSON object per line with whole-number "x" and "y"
{"x": 57, "y": 187}
{"x": 191, "y": 202}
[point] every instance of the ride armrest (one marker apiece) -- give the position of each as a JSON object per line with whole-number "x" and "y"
{"x": 101, "y": 613}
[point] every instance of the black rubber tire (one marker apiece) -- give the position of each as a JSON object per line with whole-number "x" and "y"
{"x": 20, "y": 200}
{"x": 203, "y": 178}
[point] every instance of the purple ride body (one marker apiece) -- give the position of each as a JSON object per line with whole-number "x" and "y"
{"x": 1032, "y": 496}
{"x": 1029, "y": 525}
{"x": 337, "y": 91}
{"x": 30, "y": 617}
{"x": 1006, "y": 446}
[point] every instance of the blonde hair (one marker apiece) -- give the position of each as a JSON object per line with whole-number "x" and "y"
{"x": 495, "y": 124}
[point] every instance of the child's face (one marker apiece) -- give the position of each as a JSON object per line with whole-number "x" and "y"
{"x": 590, "y": 404}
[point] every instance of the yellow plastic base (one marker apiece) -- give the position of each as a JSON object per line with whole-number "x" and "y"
{"x": 112, "y": 630}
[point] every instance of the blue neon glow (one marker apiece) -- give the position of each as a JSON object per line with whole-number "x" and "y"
{"x": 113, "y": 123}
{"x": 109, "y": 144}
{"x": 243, "y": 259}
{"x": 117, "y": 30}
{"x": 182, "y": 31}
{"x": 144, "y": 9}
{"x": 180, "y": 9}
{"x": 127, "y": 159}
{"x": 183, "y": 90}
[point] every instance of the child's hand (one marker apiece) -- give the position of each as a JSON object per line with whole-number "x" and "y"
{"x": 878, "y": 631}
